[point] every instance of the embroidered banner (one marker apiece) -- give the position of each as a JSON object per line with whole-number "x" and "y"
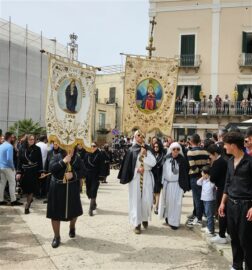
{"x": 69, "y": 103}
{"x": 149, "y": 94}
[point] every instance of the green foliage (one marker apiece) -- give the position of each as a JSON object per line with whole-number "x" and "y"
{"x": 27, "y": 126}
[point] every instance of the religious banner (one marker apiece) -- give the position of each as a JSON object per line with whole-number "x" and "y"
{"x": 149, "y": 94}
{"x": 69, "y": 103}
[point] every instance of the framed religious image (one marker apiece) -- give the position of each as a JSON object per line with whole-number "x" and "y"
{"x": 149, "y": 94}
{"x": 70, "y": 95}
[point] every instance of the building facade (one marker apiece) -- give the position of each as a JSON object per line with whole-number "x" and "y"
{"x": 109, "y": 103}
{"x": 212, "y": 40}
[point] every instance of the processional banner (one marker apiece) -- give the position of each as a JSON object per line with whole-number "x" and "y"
{"x": 69, "y": 103}
{"x": 149, "y": 94}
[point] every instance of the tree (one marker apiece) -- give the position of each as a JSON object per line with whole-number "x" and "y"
{"x": 26, "y": 126}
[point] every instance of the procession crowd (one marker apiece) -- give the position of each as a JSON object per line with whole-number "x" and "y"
{"x": 159, "y": 171}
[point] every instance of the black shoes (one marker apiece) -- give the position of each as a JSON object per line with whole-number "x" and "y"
{"x": 90, "y": 212}
{"x": 56, "y": 242}
{"x": 72, "y": 233}
{"x": 3, "y": 203}
{"x": 94, "y": 206}
{"x": 27, "y": 211}
{"x": 145, "y": 224}
{"x": 173, "y": 227}
{"x": 15, "y": 203}
{"x": 137, "y": 229}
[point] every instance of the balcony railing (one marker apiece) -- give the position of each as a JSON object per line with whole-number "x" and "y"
{"x": 203, "y": 108}
{"x": 189, "y": 61}
{"x": 245, "y": 60}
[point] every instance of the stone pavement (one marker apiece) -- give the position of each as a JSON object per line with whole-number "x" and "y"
{"x": 104, "y": 241}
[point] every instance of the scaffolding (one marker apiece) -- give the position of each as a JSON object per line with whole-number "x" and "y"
{"x": 24, "y": 72}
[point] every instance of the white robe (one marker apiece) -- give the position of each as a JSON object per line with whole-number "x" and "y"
{"x": 140, "y": 206}
{"x": 170, "y": 203}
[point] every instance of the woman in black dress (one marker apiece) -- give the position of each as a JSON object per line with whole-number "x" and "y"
{"x": 64, "y": 202}
{"x": 92, "y": 164}
{"x": 159, "y": 154}
{"x": 81, "y": 152}
{"x": 106, "y": 158}
{"x": 29, "y": 168}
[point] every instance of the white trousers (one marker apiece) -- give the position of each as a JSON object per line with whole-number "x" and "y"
{"x": 7, "y": 174}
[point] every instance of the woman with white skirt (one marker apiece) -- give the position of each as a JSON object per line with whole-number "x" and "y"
{"x": 175, "y": 182}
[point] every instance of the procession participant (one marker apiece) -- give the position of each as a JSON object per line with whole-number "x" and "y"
{"x": 237, "y": 200}
{"x": 81, "y": 152}
{"x": 7, "y": 170}
{"x": 42, "y": 144}
{"x": 175, "y": 182}
{"x": 136, "y": 170}
{"x": 218, "y": 177}
{"x": 197, "y": 157}
{"x": 106, "y": 157}
{"x": 29, "y": 168}
{"x": 64, "y": 202}
{"x": 50, "y": 156}
{"x": 157, "y": 172}
{"x": 92, "y": 167}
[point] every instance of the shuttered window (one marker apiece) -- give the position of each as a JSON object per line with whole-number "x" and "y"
{"x": 112, "y": 94}
{"x": 187, "y": 52}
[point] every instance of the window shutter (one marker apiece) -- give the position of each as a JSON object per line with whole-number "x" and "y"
{"x": 240, "y": 88}
{"x": 196, "y": 94}
{"x": 244, "y": 42}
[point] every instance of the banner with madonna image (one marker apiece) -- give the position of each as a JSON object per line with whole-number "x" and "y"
{"x": 69, "y": 103}
{"x": 150, "y": 93}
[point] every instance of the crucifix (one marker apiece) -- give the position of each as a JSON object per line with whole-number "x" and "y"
{"x": 150, "y": 48}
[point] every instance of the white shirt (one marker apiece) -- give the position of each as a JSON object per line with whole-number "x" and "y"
{"x": 44, "y": 151}
{"x": 207, "y": 193}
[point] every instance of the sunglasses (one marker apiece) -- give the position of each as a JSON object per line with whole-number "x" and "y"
{"x": 93, "y": 146}
{"x": 176, "y": 149}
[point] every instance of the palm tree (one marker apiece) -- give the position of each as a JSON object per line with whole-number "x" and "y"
{"x": 27, "y": 126}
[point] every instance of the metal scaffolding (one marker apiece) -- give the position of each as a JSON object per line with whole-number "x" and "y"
{"x": 24, "y": 72}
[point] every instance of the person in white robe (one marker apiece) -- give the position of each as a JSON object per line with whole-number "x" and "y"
{"x": 175, "y": 182}
{"x": 140, "y": 199}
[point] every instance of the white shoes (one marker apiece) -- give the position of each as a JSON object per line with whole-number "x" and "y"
{"x": 195, "y": 222}
{"x": 218, "y": 240}
{"x": 206, "y": 231}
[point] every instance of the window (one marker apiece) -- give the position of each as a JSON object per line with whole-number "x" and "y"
{"x": 112, "y": 94}
{"x": 244, "y": 92}
{"x": 189, "y": 91}
{"x": 102, "y": 120}
{"x": 247, "y": 47}
{"x": 246, "y": 42}
{"x": 187, "y": 50}
{"x": 96, "y": 95}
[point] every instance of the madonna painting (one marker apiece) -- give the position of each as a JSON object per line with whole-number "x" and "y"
{"x": 149, "y": 95}
{"x": 69, "y": 96}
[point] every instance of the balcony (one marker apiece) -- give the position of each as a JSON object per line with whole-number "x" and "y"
{"x": 103, "y": 128}
{"x": 245, "y": 60}
{"x": 107, "y": 101}
{"x": 189, "y": 61}
{"x": 201, "y": 108}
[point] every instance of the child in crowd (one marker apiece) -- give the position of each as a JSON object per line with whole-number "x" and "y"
{"x": 208, "y": 198}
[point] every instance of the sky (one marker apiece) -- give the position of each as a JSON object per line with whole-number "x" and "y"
{"x": 104, "y": 28}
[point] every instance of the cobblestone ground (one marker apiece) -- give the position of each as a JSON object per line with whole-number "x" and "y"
{"x": 104, "y": 241}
